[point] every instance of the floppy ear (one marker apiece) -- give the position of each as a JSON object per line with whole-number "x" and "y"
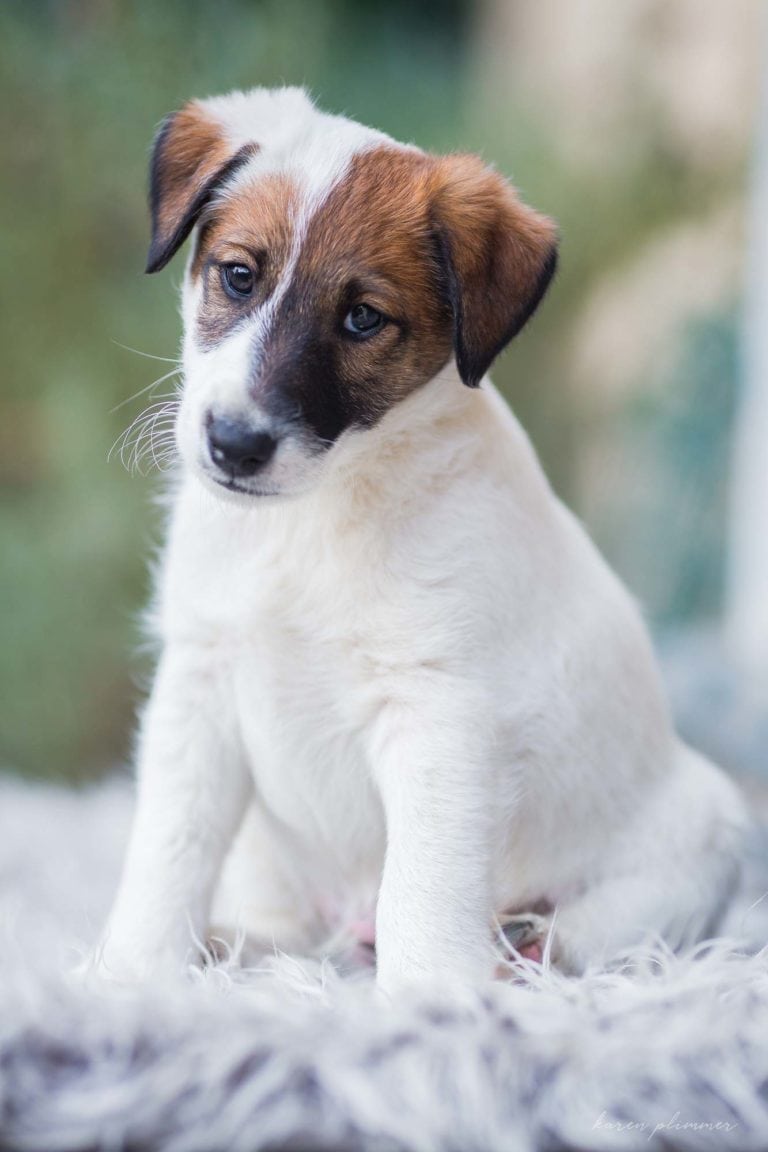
{"x": 191, "y": 157}
{"x": 498, "y": 257}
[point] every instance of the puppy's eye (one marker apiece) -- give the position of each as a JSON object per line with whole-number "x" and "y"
{"x": 238, "y": 280}
{"x": 362, "y": 320}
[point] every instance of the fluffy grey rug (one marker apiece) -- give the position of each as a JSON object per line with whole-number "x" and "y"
{"x": 662, "y": 1053}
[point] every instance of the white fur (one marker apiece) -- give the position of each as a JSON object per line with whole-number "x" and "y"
{"x": 417, "y": 677}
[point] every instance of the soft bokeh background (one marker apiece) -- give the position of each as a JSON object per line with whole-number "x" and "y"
{"x": 632, "y": 123}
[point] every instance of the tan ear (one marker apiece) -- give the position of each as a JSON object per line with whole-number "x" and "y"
{"x": 498, "y": 257}
{"x": 191, "y": 157}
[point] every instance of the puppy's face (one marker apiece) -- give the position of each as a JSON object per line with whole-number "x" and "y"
{"x": 333, "y": 272}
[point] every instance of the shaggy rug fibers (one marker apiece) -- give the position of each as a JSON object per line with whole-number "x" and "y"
{"x": 657, "y": 1053}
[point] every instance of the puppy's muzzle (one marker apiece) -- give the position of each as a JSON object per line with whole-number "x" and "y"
{"x": 238, "y": 449}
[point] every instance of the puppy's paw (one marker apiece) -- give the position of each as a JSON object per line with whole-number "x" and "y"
{"x": 119, "y": 964}
{"x": 102, "y": 967}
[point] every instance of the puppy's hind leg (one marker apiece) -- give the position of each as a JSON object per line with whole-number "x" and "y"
{"x": 671, "y": 877}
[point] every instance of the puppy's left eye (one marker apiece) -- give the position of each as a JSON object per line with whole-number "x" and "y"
{"x": 362, "y": 320}
{"x": 238, "y": 280}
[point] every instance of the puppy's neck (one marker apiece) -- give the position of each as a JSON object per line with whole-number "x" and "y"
{"x": 416, "y": 443}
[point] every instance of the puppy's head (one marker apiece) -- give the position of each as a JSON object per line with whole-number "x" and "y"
{"x": 332, "y": 273}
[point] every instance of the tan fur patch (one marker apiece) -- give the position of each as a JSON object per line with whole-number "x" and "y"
{"x": 253, "y": 225}
{"x": 371, "y": 242}
{"x": 443, "y": 247}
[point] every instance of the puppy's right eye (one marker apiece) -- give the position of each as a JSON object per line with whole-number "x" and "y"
{"x": 238, "y": 280}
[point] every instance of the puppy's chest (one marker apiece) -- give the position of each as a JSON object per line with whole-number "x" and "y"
{"x": 293, "y": 635}
{"x": 303, "y": 702}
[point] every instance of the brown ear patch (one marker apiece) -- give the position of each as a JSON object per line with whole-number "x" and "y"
{"x": 499, "y": 255}
{"x": 191, "y": 157}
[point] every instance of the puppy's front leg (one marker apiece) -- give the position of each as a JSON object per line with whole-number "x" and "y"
{"x": 193, "y": 787}
{"x": 434, "y": 906}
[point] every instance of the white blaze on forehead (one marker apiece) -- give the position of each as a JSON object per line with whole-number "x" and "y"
{"x": 293, "y": 137}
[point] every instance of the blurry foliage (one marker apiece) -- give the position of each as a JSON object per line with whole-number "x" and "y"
{"x": 678, "y": 508}
{"x": 83, "y": 85}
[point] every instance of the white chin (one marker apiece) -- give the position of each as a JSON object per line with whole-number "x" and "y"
{"x": 238, "y": 492}
{"x": 282, "y": 478}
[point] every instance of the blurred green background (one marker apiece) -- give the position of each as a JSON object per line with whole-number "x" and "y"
{"x": 629, "y": 123}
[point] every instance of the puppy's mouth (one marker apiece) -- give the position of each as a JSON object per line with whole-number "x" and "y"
{"x": 239, "y": 463}
{"x": 243, "y": 488}
{"x": 224, "y": 482}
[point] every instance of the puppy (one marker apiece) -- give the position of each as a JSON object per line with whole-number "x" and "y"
{"x": 396, "y": 679}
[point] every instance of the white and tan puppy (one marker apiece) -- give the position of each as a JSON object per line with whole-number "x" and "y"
{"x": 396, "y": 677}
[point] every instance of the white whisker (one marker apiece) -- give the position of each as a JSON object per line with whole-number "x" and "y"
{"x": 148, "y": 388}
{"x": 149, "y": 440}
{"x": 148, "y": 355}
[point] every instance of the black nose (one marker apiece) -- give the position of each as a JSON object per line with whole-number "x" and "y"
{"x": 237, "y": 448}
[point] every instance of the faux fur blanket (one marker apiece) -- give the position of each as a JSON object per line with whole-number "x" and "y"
{"x": 660, "y": 1053}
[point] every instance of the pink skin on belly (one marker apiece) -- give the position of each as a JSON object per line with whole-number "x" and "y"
{"x": 364, "y": 931}
{"x": 532, "y": 952}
